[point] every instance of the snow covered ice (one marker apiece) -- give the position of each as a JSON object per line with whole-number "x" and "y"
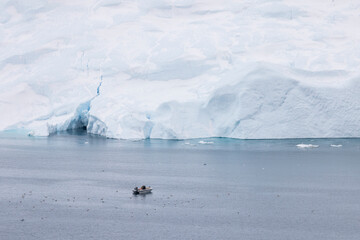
{"x": 181, "y": 69}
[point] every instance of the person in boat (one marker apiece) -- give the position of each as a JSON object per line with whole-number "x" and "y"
{"x": 143, "y": 187}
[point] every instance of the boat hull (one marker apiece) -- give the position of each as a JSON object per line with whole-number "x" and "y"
{"x": 142, "y": 191}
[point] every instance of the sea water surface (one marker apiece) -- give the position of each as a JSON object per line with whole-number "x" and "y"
{"x": 79, "y": 186}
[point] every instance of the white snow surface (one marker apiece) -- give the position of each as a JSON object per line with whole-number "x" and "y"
{"x": 177, "y": 69}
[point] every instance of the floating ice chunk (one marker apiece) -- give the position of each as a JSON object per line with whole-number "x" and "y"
{"x": 336, "y": 146}
{"x": 204, "y": 142}
{"x": 302, "y": 145}
{"x": 190, "y": 144}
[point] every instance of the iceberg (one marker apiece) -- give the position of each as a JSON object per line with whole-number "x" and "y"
{"x": 181, "y": 69}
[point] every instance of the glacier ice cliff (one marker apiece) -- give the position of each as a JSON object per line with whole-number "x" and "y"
{"x": 177, "y": 69}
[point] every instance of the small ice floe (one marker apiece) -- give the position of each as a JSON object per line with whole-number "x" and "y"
{"x": 336, "y": 145}
{"x": 86, "y": 142}
{"x": 204, "y": 142}
{"x": 302, "y": 145}
{"x": 190, "y": 144}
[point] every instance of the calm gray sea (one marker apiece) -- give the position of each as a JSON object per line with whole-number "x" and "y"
{"x": 78, "y": 186}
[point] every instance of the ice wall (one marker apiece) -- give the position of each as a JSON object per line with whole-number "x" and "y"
{"x": 181, "y": 69}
